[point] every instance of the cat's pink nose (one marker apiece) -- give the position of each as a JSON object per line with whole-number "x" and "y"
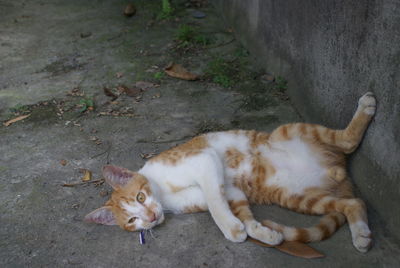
{"x": 152, "y": 217}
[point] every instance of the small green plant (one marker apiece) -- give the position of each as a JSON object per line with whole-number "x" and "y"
{"x": 159, "y": 75}
{"x": 188, "y": 35}
{"x": 166, "y": 10}
{"x": 223, "y": 80}
{"x": 86, "y": 105}
{"x": 221, "y": 72}
{"x": 241, "y": 52}
{"x": 280, "y": 84}
{"x": 20, "y": 109}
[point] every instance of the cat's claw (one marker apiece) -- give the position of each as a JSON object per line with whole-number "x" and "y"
{"x": 264, "y": 234}
{"x": 367, "y": 103}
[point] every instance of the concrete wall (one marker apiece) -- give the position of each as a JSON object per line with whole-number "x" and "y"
{"x": 331, "y": 52}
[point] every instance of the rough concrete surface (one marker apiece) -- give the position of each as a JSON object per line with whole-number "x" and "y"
{"x": 331, "y": 52}
{"x": 56, "y": 57}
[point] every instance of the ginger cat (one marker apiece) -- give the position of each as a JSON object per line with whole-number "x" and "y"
{"x": 298, "y": 166}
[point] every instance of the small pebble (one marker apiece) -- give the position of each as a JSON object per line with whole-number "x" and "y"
{"x": 86, "y": 34}
{"x": 198, "y": 14}
{"x": 103, "y": 193}
{"x": 130, "y": 10}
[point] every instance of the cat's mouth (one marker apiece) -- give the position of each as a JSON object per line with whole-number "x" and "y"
{"x": 159, "y": 218}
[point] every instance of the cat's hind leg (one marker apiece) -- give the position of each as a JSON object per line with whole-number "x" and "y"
{"x": 356, "y": 214}
{"x": 240, "y": 207}
{"x": 346, "y": 140}
{"x": 323, "y": 203}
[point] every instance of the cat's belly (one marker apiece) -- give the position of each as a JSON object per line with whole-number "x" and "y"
{"x": 297, "y": 167}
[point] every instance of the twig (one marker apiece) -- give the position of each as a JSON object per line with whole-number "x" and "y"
{"x": 82, "y": 183}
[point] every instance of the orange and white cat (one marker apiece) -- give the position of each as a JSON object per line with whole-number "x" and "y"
{"x": 298, "y": 166}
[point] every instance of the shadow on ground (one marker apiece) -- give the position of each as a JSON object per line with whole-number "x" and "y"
{"x": 57, "y": 58}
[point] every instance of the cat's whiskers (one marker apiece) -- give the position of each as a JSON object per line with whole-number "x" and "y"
{"x": 151, "y": 233}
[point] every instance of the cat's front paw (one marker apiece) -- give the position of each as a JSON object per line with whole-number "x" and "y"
{"x": 367, "y": 103}
{"x": 236, "y": 231}
{"x": 263, "y": 234}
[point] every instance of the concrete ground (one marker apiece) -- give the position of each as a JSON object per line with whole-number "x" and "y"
{"x": 56, "y": 59}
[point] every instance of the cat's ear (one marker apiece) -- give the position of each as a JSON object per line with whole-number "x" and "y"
{"x": 117, "y": 177}
{"x": 102, "y": 215}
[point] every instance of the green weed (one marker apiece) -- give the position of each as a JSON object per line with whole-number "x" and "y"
{"x": 86, "y": 104}
{"x": 280, "y": 84}
{"x": 221, "y": 72}
{"x": 159, "y": 75}
{"x": 20, "y": 109}
{"x": 188, "y": 35}
{"x": 166, "y": 10}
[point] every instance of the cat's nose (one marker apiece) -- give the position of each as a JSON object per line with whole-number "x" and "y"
{"x": 152, "y": 217}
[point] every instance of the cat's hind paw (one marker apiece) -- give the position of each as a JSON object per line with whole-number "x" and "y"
{"x": 361, "y": 235}
{"x": 263, "y": 234}
{"x": 367, "y": 103}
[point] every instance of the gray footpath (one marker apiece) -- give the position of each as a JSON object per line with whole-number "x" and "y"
{"x": 56, "y": 58}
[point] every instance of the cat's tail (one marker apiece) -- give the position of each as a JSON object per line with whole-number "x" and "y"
{"x": 324, "y": 229}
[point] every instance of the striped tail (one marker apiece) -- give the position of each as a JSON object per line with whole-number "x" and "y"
{"x": 324, "y": 229}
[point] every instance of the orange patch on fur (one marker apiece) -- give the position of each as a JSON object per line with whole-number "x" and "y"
{"x": 194, "y": 209}
{"x": 174, "y": 188}
{"x": 233, "y": 158}
{"x": 241, "y": 209}
{"x": 180, "y": 152}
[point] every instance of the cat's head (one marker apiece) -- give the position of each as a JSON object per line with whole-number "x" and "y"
{"x": 132, "y": 205}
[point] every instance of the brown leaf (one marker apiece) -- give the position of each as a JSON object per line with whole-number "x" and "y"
{"x": 109, "y": 93}
{"x": 19, "y": 118}
{"x": 87, "y": 174}
{"x": 177, "y": 71}
{"x": 75, "y": 92}
{"x": 63, "y": 162}
{"x": 293, "y": 248}
{"x": 131, "y": 92}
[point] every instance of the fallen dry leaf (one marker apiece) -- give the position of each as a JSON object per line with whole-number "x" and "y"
{"x": 63, "y": 162}
{"x": 293, "y": 248}
{"x": 177, "y": 71}
{"x": 87, "y": 174}
{"x": 19, "y": 118}
{"x": 108, "y": 92}
{"x": 131, "y": 92}
{"x": 75, "y": 92}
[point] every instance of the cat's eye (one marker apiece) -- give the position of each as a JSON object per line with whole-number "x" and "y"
{"x": 140, "y": 197}
{"x": 131, "y": 220}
